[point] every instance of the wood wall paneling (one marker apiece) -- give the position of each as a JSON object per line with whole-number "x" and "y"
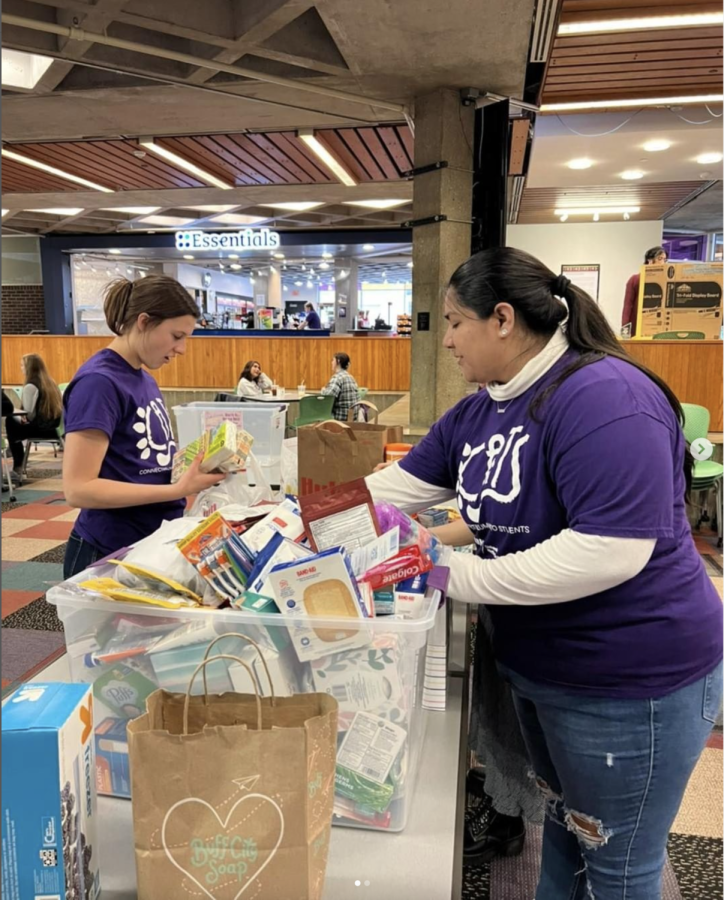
{"x": 380, "y": 364}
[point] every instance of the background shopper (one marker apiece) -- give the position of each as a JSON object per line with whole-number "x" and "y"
{"x": 656, "y": 256}
{"x": 342, "y": 387}
{"x": 312, "y": 320}
{"x": 252, "y": 381}
{"x": 119, "y": 443}
{"x": 605, "y": 623}
{"x": 42, "y": 408}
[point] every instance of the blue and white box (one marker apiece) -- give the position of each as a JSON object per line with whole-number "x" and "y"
{"x": 49, "y": 813}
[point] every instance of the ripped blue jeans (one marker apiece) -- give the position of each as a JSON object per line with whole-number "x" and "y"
{"x": 613, "y": 773}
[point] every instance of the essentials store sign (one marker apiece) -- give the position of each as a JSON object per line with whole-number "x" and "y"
{"x": 249, "y": 239}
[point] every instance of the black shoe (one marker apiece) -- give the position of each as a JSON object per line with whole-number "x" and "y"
{"x": 489, "y": 834}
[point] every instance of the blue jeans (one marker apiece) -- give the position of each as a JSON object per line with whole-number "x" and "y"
{"x": 79, "y": 554}
{"x": 613, "y": 772}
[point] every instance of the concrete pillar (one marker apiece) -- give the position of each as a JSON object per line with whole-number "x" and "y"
{"x": 345, "y": 290}
{"x": 443, "y": 131}
{"x": 274, "y": 288}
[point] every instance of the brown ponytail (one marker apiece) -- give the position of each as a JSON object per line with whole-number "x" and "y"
{"x": 159, "y": 296}
{"x": 504, "y": 274}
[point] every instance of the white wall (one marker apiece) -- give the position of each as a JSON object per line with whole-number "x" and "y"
{"x": 618, "y": 247}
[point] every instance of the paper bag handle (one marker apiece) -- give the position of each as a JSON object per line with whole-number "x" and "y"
{"x": 243, "y": 637}
{"x": 341, "y": 427}
{"x": 202, "y": 667}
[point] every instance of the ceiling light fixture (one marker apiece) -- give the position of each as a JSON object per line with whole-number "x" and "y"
{"x": 582, "y": 163}
{"x": 564, "y": 217}
{"x": 237, "y": 219}
{"x": 168, "y": 221}
{"x": 596, "y": 217}
{"x": 298, "y": 283}
{"x": 184, "y": 164}
{"x": 325, "y": 157}
{"x": 188, "y": 256}
{"x": 5, "y": 212}
{"x": 51, "y": 170}
{"x": 115, "y": 252}
{"x": 324, "y": 265}
{"x": 632, "y": 174}
{"x": 368, "y": 247}
{"x": 656, "y": 146}
{"x": 626, "y": 217}
{"x": 628, "y": 103}
{"x": 410, "y": 264}
{"x": 376, "y": 204}
{"x": 708, "y": 158}
{"x": 296, "y": 206}
{"x": 279, "y": 256}
{"x": 133, "y": 210}
{"x": 235, "y": 267}
{"x": 327, "y": 255}
{"x": 592, "y": 211}
{"x": 688, "y": 20}
{"x": 59, "y": 210}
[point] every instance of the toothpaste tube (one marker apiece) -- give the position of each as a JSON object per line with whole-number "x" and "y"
{"x": 408, "y": 563}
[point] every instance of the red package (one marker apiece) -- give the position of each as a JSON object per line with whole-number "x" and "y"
{"x": 340, "y": 516}
{"x": 408, "y": 563}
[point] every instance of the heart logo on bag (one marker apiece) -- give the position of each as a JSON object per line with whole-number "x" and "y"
{"x": 221, "y": 856}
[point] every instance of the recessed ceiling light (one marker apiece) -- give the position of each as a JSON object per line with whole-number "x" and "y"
{"x": 59, "y": 210}
{"x": 23, "y": 71}
{"x": 656, "y": 146}
{"x": 296, "y": 206}
{"x": 237, "y": 219}
{"x": 325, "y": 156}
{"x": 582, "y": 163}
{"x": 376, "y": 204}
{"x": 214, "y": 209}
{"x": 133, "y": 210}
{"x": 5, "y": 212}
{"x": 233, "y": 256}
{"x": 707, "y": 158}
{"x": 298, "y": 284}
{"x": 641, "y": 23}
{"x": 324, "y": 265}
{"x": 632, "y": 174}
{"x": 368, "y": 247}
{"x": 564, "y": 217}
{"x": 410, "y": 264}
{"x": 235, "y": 267}
{"x": 168, "y": 221}
{"x": 188, "y": 256}
{"x": 279, "y": 256}
{"x": 51, "y": 170}
{"x": 115, "y": 252}
{"x": 184, "y": 164}
{"x": 627, "y": 103}
{"x": 327, "y": 255}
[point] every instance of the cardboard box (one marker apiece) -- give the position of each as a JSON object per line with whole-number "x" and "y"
{"x": 680, "y": 297}
{"x": 49, "y": 794}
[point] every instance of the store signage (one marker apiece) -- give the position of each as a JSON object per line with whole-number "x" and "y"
{"x": 248, "y": 239}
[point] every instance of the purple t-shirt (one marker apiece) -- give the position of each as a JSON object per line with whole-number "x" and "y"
{"x": 605, "y": 459}
{"x": 109, "y": 395}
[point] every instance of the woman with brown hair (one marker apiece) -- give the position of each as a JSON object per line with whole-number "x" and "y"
{"x": 119, "y": 444}
{"x": 42, "y": 406}
{"x": 252, "y": 381}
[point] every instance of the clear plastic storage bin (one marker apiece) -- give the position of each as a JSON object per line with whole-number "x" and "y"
{"x": 266, "y": 423}
{"x": 127, "y": 650}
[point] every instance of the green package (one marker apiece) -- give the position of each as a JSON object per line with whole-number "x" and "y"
{"x": 124, "y": 690}
{"x": 364, "y": 792}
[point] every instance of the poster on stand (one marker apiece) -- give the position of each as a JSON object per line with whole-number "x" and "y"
{"x": 585, "y": 277}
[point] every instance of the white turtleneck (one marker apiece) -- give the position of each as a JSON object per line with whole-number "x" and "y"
{"x": 567, "y": 566}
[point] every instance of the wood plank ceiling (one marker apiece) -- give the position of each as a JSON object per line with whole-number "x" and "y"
{"x": 654, "y": 200}
{"x": 379, "y": 153}
{"x": 647, "y": 62}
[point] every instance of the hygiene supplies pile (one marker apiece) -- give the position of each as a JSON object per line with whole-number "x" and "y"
{"x": 337, "y": 591}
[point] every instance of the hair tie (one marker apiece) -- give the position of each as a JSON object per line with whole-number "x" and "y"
{"x": 560, "y": 285}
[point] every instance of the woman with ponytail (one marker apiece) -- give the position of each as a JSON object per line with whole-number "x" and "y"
{"x": 119, "y": 446}
{"x": 570, "y": 470}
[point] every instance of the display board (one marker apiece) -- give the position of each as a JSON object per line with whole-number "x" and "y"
{"x": 680, "y": 298}
{"x": 586, "y": 277}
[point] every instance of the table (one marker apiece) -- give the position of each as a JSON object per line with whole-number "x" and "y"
{"x": 363, "y": 865}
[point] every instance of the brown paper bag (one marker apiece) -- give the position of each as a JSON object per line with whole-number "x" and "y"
{"x": 332, "y": 453}
{"x": 232, "y": 795}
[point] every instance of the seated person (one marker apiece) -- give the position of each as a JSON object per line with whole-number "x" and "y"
{"x": 42, "y": 407}
{"x": 342, "y": 387}
{"x": 312, "y": 321}
{"x": 252, "y": 381}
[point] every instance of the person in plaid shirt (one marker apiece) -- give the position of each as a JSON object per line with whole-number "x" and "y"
{"x": 342, "y": 387}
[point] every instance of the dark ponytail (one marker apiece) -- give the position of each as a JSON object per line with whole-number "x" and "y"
{"x": 158, "y": 296}
{"x": 507, "y": 275}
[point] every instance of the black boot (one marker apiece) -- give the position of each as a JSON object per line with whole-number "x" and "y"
{"x": 489, "y": 834}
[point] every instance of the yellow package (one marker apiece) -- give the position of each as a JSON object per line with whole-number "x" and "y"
{"x": 186, "y": 455}
{"x": 227, "y": 449}
{"x": 114, "y": 590}
{"x": 154, "y": 581}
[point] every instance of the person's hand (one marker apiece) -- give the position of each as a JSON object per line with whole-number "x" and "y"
{"x": 194, "y": 481}
{"x": 380, "y": 466}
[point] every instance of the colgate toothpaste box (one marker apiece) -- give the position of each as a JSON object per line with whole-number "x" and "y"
{"x": 49, "y": 794}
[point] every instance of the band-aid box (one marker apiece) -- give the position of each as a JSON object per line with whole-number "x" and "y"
{"x": 320, "y": 586}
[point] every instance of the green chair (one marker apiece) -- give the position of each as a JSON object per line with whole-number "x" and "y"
{"x": 679, "y": 336}
{"x": 363, "y": 392}
{"x": 63, "y": 386}
{"x": 314, "y": 409}
{"x": 706, "y": 474}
